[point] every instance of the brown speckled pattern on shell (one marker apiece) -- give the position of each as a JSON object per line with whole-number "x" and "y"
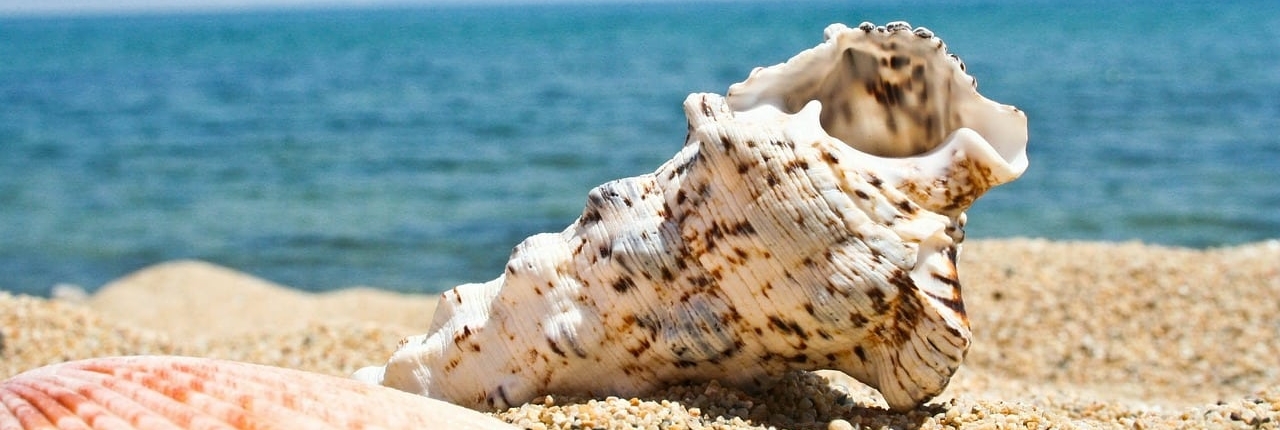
{"x": 811, "y": 221}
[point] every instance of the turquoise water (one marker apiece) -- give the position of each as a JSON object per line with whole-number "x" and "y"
{"x": 410, "y": 149}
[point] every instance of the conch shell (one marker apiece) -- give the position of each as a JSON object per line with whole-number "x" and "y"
{"x": 165, "y": 392}
{"x": 812, "y": 220}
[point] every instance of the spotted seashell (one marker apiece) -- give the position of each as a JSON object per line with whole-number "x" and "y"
{"x": 812, "y": 220}
{"x": 159, "y": 392}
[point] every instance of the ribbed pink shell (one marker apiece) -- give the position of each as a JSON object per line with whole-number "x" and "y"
{"x": 165, "y": 392}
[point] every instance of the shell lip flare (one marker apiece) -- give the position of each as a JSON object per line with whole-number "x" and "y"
{"x": 890, "y": 92}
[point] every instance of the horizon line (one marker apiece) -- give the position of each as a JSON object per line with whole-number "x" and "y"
{"x": 95, "y": 8}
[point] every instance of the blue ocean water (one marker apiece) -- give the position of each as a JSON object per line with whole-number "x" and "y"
{"x": 411, "y": 148}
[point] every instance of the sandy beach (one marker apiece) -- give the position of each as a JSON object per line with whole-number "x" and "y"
{"x": 1066, "y": 335}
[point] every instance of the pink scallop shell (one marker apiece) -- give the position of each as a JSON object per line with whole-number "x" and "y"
{"x": 165, "y": 392}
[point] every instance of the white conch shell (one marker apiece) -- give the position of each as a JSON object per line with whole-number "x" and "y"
{"x": 164, "y": 392}
{"x": 811, "y": 221}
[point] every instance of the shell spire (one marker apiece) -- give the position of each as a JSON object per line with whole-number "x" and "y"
{"x": 812, "y": 220}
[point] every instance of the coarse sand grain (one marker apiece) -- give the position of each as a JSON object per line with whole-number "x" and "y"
{"x": 1066, "y": 335}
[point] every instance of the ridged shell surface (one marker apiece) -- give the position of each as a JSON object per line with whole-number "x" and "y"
{"x": 162, "y": 392}
{"x": 812, "y": 220}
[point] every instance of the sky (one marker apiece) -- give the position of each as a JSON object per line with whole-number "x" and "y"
{"x": 93, "y": 7}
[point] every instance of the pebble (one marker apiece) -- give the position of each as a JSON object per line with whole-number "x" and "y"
{"x": 839, "y": 425}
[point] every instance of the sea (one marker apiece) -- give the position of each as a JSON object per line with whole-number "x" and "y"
{"x": 410, "y": 148}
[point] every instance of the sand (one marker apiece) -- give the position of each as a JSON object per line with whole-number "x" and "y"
{"x": 1066, "y": 335}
